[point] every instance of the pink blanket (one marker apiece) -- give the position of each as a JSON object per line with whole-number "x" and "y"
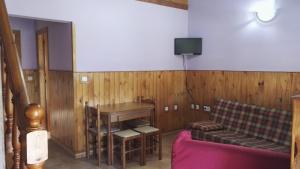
{"x": 194, "y": 154}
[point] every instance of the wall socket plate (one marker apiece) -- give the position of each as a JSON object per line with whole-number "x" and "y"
{"x": 175, "y": 107}
{"x": 30, "y": 78}
{"x": 192, "y": 106}
{"x": 84, "y": 79}
{"x": 206, "y": 108}
{"x": 166, "y": 108}
{"x": 197, "y": 107}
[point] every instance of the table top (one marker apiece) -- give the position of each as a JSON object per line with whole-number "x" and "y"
{"x": 125, "y": 107}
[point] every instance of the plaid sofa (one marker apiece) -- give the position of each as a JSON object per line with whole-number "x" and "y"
{"x": 248, "y": 125}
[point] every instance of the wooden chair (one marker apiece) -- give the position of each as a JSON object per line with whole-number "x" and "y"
{"x": 151, "y": 135}
{"x": 144, "y": 122}
{"x": 127, "y": 136}
{"x": 96, "y": 131}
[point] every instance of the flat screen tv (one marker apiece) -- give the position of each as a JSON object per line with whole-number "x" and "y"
{"x": 188, "y": 46}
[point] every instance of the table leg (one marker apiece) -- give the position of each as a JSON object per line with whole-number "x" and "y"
{"x": 109, "y": 141}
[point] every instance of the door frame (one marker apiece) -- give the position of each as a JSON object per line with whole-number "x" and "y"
{"x": 43, "y": 74}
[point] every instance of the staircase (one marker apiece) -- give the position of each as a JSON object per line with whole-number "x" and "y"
{"x": 25, "y": 140}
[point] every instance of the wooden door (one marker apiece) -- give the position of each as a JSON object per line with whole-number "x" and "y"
{"x": 43, "y": 55}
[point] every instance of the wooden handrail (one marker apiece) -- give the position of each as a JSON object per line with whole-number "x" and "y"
{"x": 27, "y": 118}
{"x": 14, "y": 68}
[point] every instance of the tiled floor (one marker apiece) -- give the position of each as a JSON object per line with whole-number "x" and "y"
{"x": 58, "y": 159}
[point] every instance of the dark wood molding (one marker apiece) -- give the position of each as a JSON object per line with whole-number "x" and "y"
{"x": 168, "y": 3}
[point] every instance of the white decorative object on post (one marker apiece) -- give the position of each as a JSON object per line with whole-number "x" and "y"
{"x": 37, "y": 147}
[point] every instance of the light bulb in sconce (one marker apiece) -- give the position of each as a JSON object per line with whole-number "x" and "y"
{"x": 266, "y": 11}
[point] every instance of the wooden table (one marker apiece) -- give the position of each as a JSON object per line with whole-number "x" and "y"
{"x": 123, "y": 112}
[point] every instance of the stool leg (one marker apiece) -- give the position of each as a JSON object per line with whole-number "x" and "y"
{"x": 99, "y": 148}
{"x": 123, "y": 154}
{"x": 130, "y": 156}
{"x": 160, "y": 147}
{"x": 150, "y": 139}
{"x": 142, "y": 150}
{"x": 87, "y": 146}
{"x": 95, "y": 146}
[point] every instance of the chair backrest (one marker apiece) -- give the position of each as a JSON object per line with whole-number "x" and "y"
{"x": 150, "y": 100}
{"x": 92, "y": 116}
{"x": 141, "y": 99}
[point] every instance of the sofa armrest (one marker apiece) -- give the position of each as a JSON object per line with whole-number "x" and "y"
{"x": 194, "y": 154}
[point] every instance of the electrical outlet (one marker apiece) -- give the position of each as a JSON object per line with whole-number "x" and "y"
{"x": 197, "y": 107}
{"x": 207, "y": 108}
{"x": 192, "y": 106}
{"x": 166, "y": 108}
{"x": 175, "y": 107}
{"x": 29, "y": 78}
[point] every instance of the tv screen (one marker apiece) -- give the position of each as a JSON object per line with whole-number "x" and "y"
{"x": 188, "y": 46}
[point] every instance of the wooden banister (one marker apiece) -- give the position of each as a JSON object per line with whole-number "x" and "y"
{"x": 29, "y": 140}
{"x": 34, "y": 114}
{"x": 13, "y": 65}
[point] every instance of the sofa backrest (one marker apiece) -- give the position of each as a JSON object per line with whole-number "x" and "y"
{"x": 270, "y": 124}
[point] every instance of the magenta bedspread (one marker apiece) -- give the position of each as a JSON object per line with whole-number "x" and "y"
{"x": 195, "y": 154}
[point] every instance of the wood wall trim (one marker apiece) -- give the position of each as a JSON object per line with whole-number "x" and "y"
{"x": 55, "y": 70}
{"x": 182, "y": 4}
{"x": 268, "y": 89}
{"x": 167, "y": 87}
{"x": 295, "y": 133}
{"x": 61, "y": 107}
{"x": 74, "y": 67}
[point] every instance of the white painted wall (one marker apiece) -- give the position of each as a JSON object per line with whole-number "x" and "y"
{"x": 28, "y": 41}
{"x": 115, "y": 35}
{"x": 234, "y": 40}
{"x": 60, "y": 44}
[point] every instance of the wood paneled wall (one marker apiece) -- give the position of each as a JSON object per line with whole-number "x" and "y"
{"x": 32, "y": 85}
{"x": 67, "y": 95}
{"x": 181, "y": 4}
{"x": 167, "y": 87}
{"x": 60, "y": 104}
{"x": 60, "y": 107}
{"x": 268, "y": 89}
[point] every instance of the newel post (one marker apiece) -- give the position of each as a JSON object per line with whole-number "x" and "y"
{"x": 36, "y": 151}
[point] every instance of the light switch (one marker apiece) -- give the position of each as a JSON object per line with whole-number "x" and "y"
{"x": 192, "y": 106}
{"x": 29, "y": 78}
{"x": 84, "y": 79}
{"x": 175, "y": 107}
{"x": 166, "y": 108}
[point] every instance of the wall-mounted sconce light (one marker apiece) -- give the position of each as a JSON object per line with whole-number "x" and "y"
{"x": 266, "y": 11}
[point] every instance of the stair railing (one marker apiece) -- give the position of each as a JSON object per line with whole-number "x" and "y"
{"x": 24, "y": 132}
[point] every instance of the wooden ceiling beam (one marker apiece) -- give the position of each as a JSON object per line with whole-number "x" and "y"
{"x": 181, "y": 4}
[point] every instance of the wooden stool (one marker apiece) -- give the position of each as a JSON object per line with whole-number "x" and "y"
{"x": 95, "y": 130}
{"x": 127, "y": 136}
{"x": 149, "y": 132}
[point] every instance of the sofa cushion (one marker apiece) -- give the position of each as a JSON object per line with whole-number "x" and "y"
{"x": 254, "y": 121}
{"x": 231, "y": 137}
{"x": 206, "y": 126}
